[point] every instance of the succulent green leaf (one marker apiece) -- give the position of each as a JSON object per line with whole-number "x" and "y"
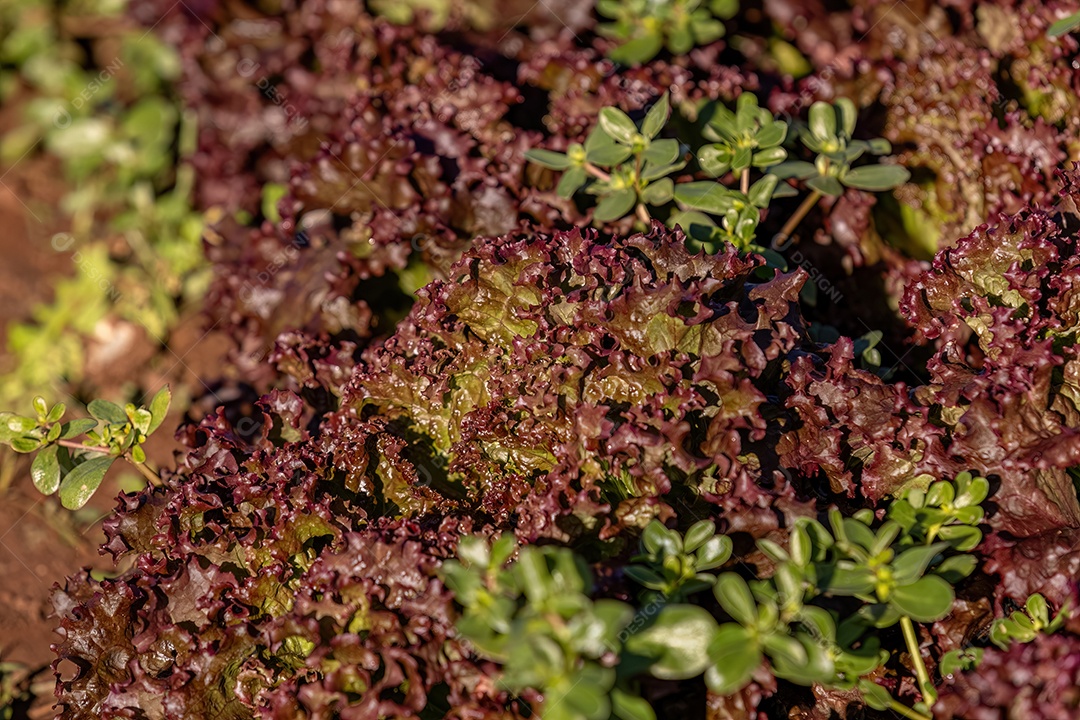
{"x": 848, "y": 115}
{"x": 734, "y": 596}
{"x": 677, "y": 642}
{"x": 697, "y": 534}
{"x": 734, "y": 656}
{"x": 769, "y": 157}
{"x": 656, "y": 118}
{"x": 548, "y": 158}
{"x": 77, "y": 427}
{"x": 45, "y": 470}
{"x": 661, "y": 152}
{"x": 771, "y": 135}
{"x": 716, "y": 159}
{"x": 798, "y": 169}
{"x": 704, "y": 195}
{"x": 56, "y": 412}
{"x": 713, "y": 553}
{"x": 571, "y": 182}
{"x": 84, "y": 479}
{"x": 601, "y": 149}
{"x": 927, "y": 600}
{"x": 761, "y": 192}
{"x": 659, "y": 192}
{"x": 617, "y": 125}
{"x": 615, "y": 205}
{"x": 826, "y": 185}
{"x": 822, "y": 120}
{"x": 626, "y": 706}
{"x": 876, "y": 178}
{"x": 107, "y": 411}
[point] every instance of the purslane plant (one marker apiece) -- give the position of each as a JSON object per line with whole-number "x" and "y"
{"x": 740, "y": 142}
{"x": 637, "y": 163}
{"x": 829, "y": 134}
{"x": 536, "y": 616}
{"x": 645, "y": 27}
{"x": 1023, "y": 626}
{"x": 75, "y": 469}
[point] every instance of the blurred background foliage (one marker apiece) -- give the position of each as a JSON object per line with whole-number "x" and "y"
{"x": 93, "y": 90}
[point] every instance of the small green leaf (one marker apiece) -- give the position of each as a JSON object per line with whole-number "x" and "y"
{"x": 601, "y": 149}
{"x": 659, "y": 192}
{"x": 912, "y": 563}
{"x": 677, "y": 641}
{"x": 848, "y": 115}
{"x": 822, "y": 120}
{"x": 40, "y": 406}
{"x": 24, "y": 444}
{"x": 77, "y": 427}
{"x": 697, "y": 534}
{"x": 661, "y": 152}
{"x": 847, "y": 581}
{"x": 107, "y": 411}
{"x": 715, "y": 160}
{"x": 1038, "y": 610}
{"x": 571, "y": 182}
{"x": 927, "y": 600}
{"x": 772, "y": 135}
{"x": 638, "y": 50}
{"x": 625, "y": 706}
{"x": 644, "y": 576}
{"x": 138, "y": 454}
{"x": 708, "y": 196}
{"x": 617, "y": 125}
{"x": 45, "y": 470}
{"x": 656, "y": 118}
{"x": 614, "y": 206}
{"x": 1064, "y": 26}
{"x": 83, "y": 480}
{"x": 734, "y": 596}
{"x": 762, "y": 191}
{"x": 798, "y": 169}
{"x": 956, "y": 568}
{"x": 826, "y": 185}
{"x": 876, "y": 178}
{"x": 714, "y": 553}
{"x": 876, "y": 697}
{"x": 735, "y": 656}
{"x": 769, "y": 157}
{"x": 56, "y": 413}
{"x": 741, "y": 159}
{"x": 548, "y": 158}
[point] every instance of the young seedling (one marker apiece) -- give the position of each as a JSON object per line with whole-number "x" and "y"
{"x": 829, "y": 134}
{"x": 645, "y": 27}
{"x": 674, "y": 566}
{"x": 748, "y": 138}
{"x": 637, "y": 163}
{"x": 75, "y": 469}
{"x": 1024, "y": 626}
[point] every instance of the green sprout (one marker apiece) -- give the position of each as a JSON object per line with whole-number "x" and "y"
{"x": 1024, "y": 626}
{"x": 645, "y": 27}
{"x": 75, "y": 469}
{"x": 639, "y": 163}
{"x": 829, "y": 134}
{"x": 748, "y": 137}
{"x": 674, "y": 566}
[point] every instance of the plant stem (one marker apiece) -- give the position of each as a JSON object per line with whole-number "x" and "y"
{"x": 643, "y": 215}
{"x": 927, "y": 690}
{"x": 151, "y": 476}
{"x": 789, "y": 227}
{"x": 744, "y": 182}
{"x": 597, "y": 172}
{"x": 907, "y": 712}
